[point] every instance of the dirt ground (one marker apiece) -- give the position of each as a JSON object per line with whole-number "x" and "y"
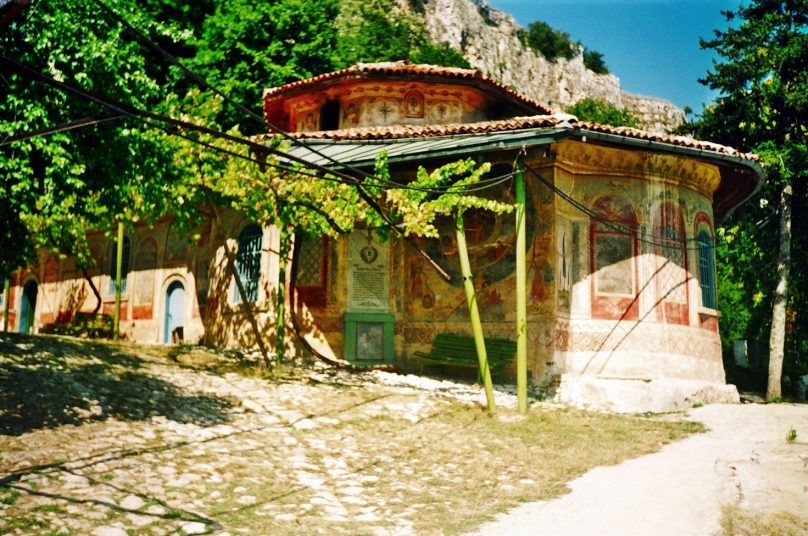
{"x": 744, "y": 476}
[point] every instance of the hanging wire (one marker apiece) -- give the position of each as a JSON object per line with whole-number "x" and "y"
{"x": 490, "y": 182}
{"x": 654, "y": 240}
{"x": 201, "y": 81}
{"x": 262, "y": 120}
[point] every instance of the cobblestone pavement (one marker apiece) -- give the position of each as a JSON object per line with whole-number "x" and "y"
{"x": 159, "y": 449}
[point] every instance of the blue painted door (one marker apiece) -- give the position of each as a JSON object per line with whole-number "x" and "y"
{"x": 175, "y": 310}
{"x": 28, "y": 306}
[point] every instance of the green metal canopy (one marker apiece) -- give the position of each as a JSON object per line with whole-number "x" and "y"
{"x": 338, "y": 154}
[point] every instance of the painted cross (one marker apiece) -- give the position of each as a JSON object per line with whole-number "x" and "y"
{"x": 385, "y": 109}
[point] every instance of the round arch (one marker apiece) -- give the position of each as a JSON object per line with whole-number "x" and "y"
{"x": 26, "y": 322}
{"x": 174, "y": 308}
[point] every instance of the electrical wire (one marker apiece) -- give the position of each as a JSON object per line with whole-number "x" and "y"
{"x": 254, "y": 116}
{"x": 490, "y": 183}
{"x": 201, "y": 81}
{"x": 654, "y": 240}
{"x": 63, "y": 127}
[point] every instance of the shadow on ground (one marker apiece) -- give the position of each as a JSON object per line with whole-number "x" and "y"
{"x": 51, "y": 381}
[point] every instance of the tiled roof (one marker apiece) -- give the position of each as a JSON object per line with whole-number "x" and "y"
{"x": 516, "y": 123}
{"x": 405, "y": 68}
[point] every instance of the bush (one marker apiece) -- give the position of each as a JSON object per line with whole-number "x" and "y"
{"x": 549, "y": 42}
{"x": 371, "y": 31}
{"x": 594, "y": 62}
{"x": 603, "y": 112}
{"x": 82, "y": 325}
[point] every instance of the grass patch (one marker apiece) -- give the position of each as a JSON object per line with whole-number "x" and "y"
{"x": 8, "y": 496}
{"x": 52, "y": 508}
{"x": 735, "y": 522}
{"x": 23, "y": 523}
{"x": 459, "y": 468}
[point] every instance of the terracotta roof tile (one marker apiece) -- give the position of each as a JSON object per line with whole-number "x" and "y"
{"x": 515, "y": 123}
{"x": 405, "y": 68}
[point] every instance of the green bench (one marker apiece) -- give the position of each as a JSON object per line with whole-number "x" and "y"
{"x": 460, "y": 351}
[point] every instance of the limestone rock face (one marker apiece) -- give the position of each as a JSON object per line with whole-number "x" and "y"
{"x": 488, "y": 39}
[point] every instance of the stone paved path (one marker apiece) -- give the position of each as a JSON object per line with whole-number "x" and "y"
{"x": 225, "y": 445}
{"x": 744, "y": 460}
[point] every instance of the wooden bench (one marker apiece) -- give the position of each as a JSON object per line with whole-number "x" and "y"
{"x": 460, "y": 351}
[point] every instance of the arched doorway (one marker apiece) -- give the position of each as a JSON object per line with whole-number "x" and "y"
{"x": 175, "y": 313}
{"x": 28, "y": 306}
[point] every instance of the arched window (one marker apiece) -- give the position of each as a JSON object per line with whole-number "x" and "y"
{"x": 704, "y": 238}
{"x": 113, "y": 265}
{"x": 248, "y": 263}
{"x": 671, "y": 273}
{"x": 613, "y": 233}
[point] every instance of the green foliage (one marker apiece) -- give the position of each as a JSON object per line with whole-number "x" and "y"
{"x": 594, "y": 62}
{"x": 549, "y": 42}
{"x": 744, "y": 292}
{"x": 763, "y": 87}
{"x": 247, "y": 46}
{"x": 438, "y": 54}
{"x": 791, "y": 435}
{"x": 418, "y": 208}
{"x": 56, "y": 187}
{"x": 605, "y": 113}
{"x": 372, "y": 31}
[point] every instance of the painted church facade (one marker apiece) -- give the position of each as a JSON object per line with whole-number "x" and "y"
{"x": 620, "y": 231}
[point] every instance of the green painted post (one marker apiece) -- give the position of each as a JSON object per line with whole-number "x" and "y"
{"x": 6, "y": 294}
{"x": 476, "y": 325}
{"x": 116, "y": 319}
{"x": 283, "y": 250}
{"x": 521, "y": 292}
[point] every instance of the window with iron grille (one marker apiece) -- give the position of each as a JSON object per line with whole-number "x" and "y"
{"x": 706, "y": 268}
{"x": 311, "y": 278}
{"x": 248, "y": 263}
{"x": 310, "y": 264}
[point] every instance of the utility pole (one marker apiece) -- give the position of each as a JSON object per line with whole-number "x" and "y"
{"x": 474, "y": 313}
{"x": 116, "y": 319}
{"x": 521, "y": 291}
{"x": 6, "y": 293}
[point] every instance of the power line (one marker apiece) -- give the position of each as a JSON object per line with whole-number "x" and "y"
{"x": 135, "y": 112}
{"x": 199, "y": 80}
{"x": 259, "y": 119}
{"x": 63, "y": 127}
{"x": 655, "y": 240}
{"x": 490, "y": 182}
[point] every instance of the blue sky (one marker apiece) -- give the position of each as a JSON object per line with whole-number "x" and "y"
{"x": 651, "y": 45}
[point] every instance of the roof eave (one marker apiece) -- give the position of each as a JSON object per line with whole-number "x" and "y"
{"x": 464, "y": 144}
{"x": 721, "y": 159}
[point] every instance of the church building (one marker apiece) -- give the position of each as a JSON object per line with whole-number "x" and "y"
{"x": 620, "y": 232}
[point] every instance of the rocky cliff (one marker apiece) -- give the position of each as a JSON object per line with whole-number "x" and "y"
{"x": 488, "y": 39}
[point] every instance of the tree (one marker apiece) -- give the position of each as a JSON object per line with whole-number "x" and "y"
{"x": 594, "y": 62}
{"x": 58, "y": 186}
{"x": 762, "y": 80}
{"x": 371, "y": 31}
{"x": 605, "y": 113}
{"x": 549, "y": 42}
{"x": 247, "y": 46}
